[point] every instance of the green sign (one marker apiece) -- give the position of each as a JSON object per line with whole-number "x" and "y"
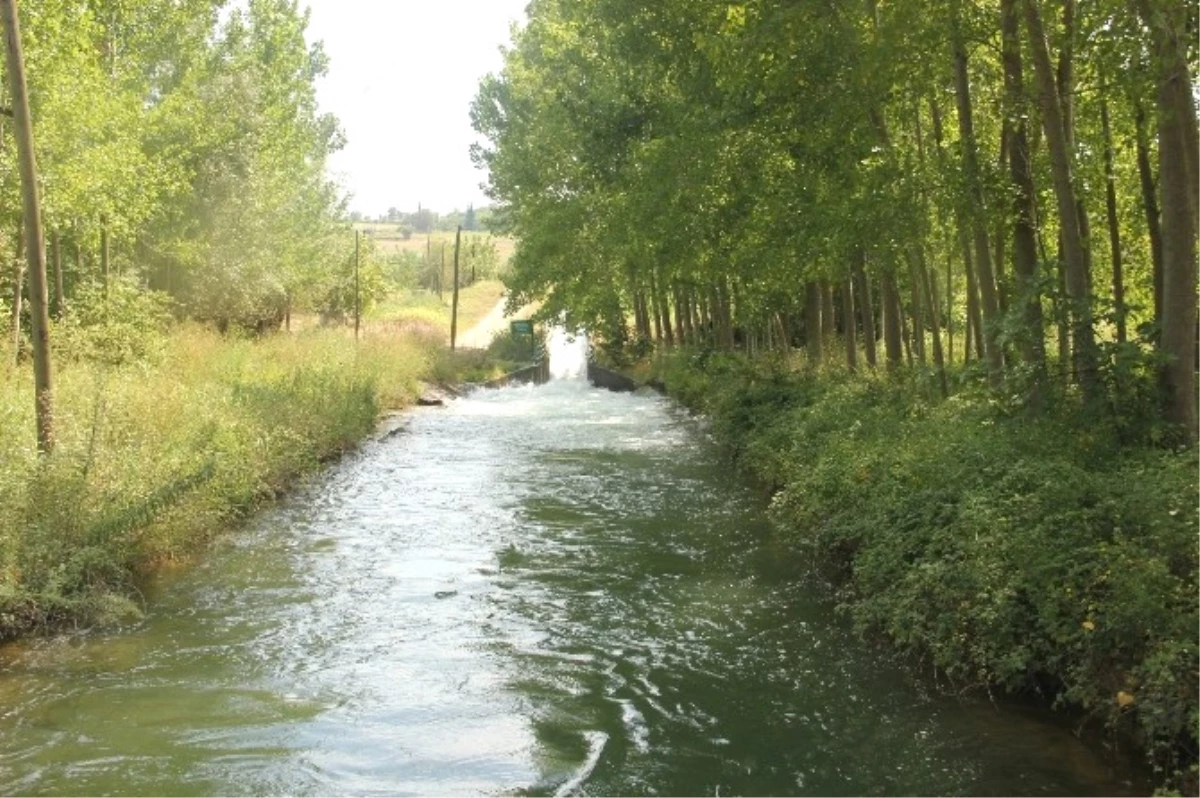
{"x": 521, "y": 327}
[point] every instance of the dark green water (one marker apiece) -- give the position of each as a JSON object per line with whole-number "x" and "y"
{"x": 552, "y": 591}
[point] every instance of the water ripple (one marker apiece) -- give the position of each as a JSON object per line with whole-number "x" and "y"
{"x": 550, "y": 590}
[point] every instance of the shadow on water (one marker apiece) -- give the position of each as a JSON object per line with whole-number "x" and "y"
{"x": 679, "y": 648}
{"x": 542, "y": 591}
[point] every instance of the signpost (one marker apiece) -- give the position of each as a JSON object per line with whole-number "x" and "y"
{"x": 521, "y": 328}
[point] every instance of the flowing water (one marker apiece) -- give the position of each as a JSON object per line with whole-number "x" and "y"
{"x": 552, "y": 590}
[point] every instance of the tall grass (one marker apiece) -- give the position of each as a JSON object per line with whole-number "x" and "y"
{"x": 154, "y": 458}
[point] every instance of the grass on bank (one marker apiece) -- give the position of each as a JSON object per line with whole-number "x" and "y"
{"x": 162, "y": 449}
{"x": 1033, "y": 553}
{"x": 168, "y": 434}
{"x": 419, "y": 309}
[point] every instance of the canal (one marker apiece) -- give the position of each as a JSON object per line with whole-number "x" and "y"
{"x": 550, "y": 590}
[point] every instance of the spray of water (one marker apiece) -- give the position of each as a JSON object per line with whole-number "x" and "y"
{"x": 568, "y": 354}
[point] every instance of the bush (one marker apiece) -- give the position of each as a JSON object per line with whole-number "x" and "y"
{"x": 515, "y": 350}
{"x": 118, "y": 326}
{"x": 1030, "y": 553}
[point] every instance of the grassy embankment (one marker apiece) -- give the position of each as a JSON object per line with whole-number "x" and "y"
{"x": 166, "y": 438}
{"x": 1042, "y": 554}
{"x": 423, "y": 311}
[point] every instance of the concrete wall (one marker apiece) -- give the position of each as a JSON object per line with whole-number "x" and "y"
{"x": 604, "y": 378}
{"x": 537, "y": 374}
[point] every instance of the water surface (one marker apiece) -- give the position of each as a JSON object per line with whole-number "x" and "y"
{"x": 547, "y": 590}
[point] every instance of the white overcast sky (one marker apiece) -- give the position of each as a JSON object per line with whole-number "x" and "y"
{"x": 402, "y": 75}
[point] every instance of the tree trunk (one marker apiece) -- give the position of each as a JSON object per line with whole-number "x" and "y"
{"x": 36, "y": 248}
{"x": 1177, "y": 184}
{"x": 1168, "y": 24}
{"x": 80, "y": 268}
{"x": 1114, "y": 228}
{"x": 974, "y": 317}
{"x": 652, "y": 311}
{"x": 1025, "y": 257}
{"x": 893, "y": 341}
{"x": 725, "y": 314}
{"x": 848, "y": 325}
{"x": 828, "y": 323}
{"x": 1065, "y": 73}
{"x": 949, "y": 308}
{"x": 683, "y": 317}
{"x": 935, "y": 113}
{"x": 812, "y": 323}
{"x": 641, "y": 308}
{"x": 1150, "y": 205}
{"x": 662, "y": 312}
{"x": 866, "y": 307}
{"x": 1062, "y": 305}
{"x": 918, "y": 313}
{"x": 929, "y": 291}
{"x": 1075, "y": 257}
{"x": 985, "y": 279}
{"x": 999, "y": 240}
{"x": 60, "y": 296}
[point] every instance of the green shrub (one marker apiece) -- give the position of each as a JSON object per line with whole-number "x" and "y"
{"x": 121, "y": 325}
{"x": 514, "y": 350}
{"x": 1026, "y": 552}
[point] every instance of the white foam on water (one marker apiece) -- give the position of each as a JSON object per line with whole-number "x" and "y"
{"x": 596, "y": 741}
{"x": 568, "y": 354}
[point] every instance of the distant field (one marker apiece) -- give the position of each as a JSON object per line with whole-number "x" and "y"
{"x": 419, "y": 312}
{"x": 388, "y": 240}
{"x": 413, "y": 308}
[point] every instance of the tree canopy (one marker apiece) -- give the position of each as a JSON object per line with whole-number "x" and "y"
{"x": 767, "y": 174}
{"x": 181, "y": 148}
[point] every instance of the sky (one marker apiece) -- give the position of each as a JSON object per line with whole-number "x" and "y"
{"x": 402, "y": 75}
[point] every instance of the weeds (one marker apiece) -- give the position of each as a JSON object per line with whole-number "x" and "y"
{"x": 163, "y": 444}
{"x": 1033, "y": 552}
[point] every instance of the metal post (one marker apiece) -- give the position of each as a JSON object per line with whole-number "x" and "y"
{"x": 357, "y": 303}
{"x": 454, "y": 301}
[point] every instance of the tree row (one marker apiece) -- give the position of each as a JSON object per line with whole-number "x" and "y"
{"x": 1006, "y": 183}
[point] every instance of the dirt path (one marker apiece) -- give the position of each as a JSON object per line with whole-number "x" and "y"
{"x": 496, "y": 321}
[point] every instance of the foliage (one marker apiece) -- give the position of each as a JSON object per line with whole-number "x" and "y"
{"x": 749, "y": 177}
{"x": 156, "y": 455}
{"x": 714, "y": 164}
{"x": 118, "y": 326}
{"x": 514, "y": 350}
{"x": 190, "y": 142}
{"x": 1026, "y": 553}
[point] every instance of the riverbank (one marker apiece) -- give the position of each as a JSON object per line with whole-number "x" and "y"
{"x": 1029, "y": 555}
{"x": 160, "y": 452}
{"x": 531, "y": 591}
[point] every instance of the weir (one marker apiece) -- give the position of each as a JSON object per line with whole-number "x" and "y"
{"x": 567, "y": 353}
{"x": 567, "y": 357}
